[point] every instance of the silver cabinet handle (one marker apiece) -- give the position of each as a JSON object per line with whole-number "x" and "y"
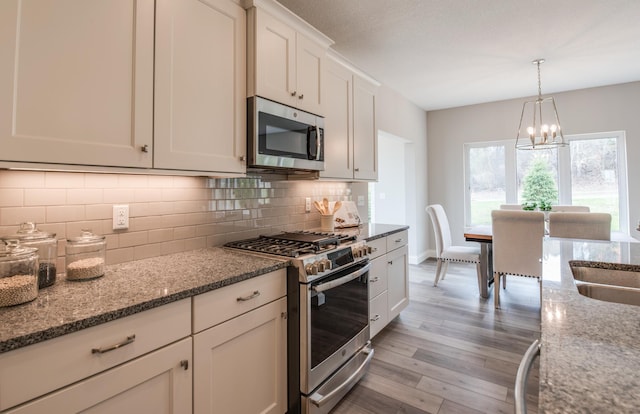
{"x": 127, "y": 341}
{"x": 398, "y": 240}
{"x": 522, "y": 374}
{"x": 293, "y": 93}
{"x": 375, "y": 318}
{"x": 301, "y": 96}
{"x": 356, "y": 169}
{"x": 184, "y": 364}
{"x": 319, "y": 400}
{"x": 144, "y": 148}
{"x": 374, "y": 279}
{"x": 254, "y": 295}
{"x": 390, "y": 262}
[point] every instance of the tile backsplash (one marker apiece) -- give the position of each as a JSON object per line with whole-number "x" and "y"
{"x": 168, "y": 214}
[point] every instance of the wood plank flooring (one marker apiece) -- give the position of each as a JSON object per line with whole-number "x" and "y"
{"x": 451, "y": 352}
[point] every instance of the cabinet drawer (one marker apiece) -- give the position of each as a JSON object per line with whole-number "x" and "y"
{"x": 46, "y": 366}
{"x": 378, "y": 247}
{"x": 377, "y": 277}
{"x": 397, "y": 240}
{"x": 378, "y": 314}
{"x": 222, "y": 304}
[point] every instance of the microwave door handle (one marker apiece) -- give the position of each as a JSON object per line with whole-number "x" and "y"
{"x": 318, "y": 142}
{"x": 345, "y": 279}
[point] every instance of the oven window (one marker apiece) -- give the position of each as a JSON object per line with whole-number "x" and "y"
{"x": 337, "y": 315}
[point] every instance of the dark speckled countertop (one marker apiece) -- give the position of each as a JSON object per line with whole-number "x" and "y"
{"x": 125, "y": 289}
{"x": 590, "y": 355}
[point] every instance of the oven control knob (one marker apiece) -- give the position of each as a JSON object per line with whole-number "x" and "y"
{"x": 369, "y": 249}
{"x": 328, "y": 264}
{"x": 321, "y": 266}
{"x": 311, "y": 269}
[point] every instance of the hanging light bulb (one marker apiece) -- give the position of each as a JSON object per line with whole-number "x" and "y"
{"x": 544, "y": 132}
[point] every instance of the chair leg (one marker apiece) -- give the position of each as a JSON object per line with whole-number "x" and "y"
{"x": 496, "y": 289}
{"x": 479, "y": 272}
{"x": 504, "y": 281}
{"x": 438, "y": 269}
{"x": 445, "y": 267}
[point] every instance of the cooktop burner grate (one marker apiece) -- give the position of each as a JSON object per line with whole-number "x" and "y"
{"x": 292, "y": 244}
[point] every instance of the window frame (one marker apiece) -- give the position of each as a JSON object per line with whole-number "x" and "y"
{"x": 564, "y": 172}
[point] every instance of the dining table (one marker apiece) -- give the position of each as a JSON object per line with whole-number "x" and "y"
{"x": 483, "y": 235}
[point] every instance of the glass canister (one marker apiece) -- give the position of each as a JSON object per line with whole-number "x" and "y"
{"x": 47, "y": 246}
{"x": 18, "y": 273}
{"x": 86, "y": 256}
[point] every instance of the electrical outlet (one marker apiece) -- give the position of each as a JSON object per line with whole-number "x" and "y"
{"x": 360, "y": 201}
{"x": 120, "y": 216}
{"x": 307, "y": 204}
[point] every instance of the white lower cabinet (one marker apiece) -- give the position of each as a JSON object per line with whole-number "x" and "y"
{"x": 159, "y": 382}
{"x": 142, "y": 360}
{"x": 240, "y": 365}
{"x": 388, "y": 280}
{"x": 240, "y": 362}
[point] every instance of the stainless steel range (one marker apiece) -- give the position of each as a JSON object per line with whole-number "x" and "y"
{"x": 328, "y": 326}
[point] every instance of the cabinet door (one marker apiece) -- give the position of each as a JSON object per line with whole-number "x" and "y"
{"x": 200, "y": 105}
{"x": 379, "y": 313}
{"x": 398, "y": 281}
{"x": 76, "y": 81}
{"x": 275, "y": 59}
{"x": 159, "y": 382}
{"x": 338, "y": 129}
{"x": 240, "y": 365}
{"x": 309, "y": 74}
{"x": 365, "y": 141}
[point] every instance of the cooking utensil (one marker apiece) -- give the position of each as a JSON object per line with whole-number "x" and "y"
{"x": 319, "y": 207}
{"x": 337, "y": 206}
{"x": 325, "y": 204}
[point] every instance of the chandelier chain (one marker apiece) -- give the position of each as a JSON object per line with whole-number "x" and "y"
{"x": 539, "y": 83}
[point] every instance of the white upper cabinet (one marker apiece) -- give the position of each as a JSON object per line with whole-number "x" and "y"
{"x": 350, "y": 123}
{"x": 76, "y": 82}
{"x": 200, "y": 104}
{"x": 286, "y": 58}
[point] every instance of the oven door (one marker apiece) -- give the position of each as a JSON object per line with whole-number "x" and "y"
{"x": 284, "y": 137}
{"x": 334, "y": 323}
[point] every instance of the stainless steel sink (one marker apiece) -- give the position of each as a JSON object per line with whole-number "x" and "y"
{"x": 611, "y": 283}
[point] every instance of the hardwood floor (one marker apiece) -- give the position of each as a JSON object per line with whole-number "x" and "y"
{"x": 450, "y": 351}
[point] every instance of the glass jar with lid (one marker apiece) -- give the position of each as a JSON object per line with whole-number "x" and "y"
{"x": 47, "y": 246}
{"x": 86, "y": 256}
{"x": 18, "y": 273}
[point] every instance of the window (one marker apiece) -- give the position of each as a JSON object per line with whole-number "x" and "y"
{"x": 590, "y": 171}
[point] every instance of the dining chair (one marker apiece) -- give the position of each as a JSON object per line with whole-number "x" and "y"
{"x": 510, "y": 206}
{"x": 573, "y": 209}
{"x": 517, "y": 246}
{"x": 445, "y": 251}
{"x": 591, "y": 226}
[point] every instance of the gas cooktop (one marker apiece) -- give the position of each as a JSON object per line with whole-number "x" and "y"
{"x": 293, "y": 244}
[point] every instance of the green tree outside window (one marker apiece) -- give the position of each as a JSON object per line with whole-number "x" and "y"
{"x": 539, "y": 188}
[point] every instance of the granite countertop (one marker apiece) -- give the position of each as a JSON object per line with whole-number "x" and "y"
{"x": 125, "y": 289}
{"x": 590, "y": 355}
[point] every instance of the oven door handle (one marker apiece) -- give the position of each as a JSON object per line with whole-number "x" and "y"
{"x": 345, "y": 279}
{"x": 319, "y": 400}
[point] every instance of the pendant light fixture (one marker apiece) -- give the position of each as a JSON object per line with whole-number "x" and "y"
{"x": 539, "y": 123}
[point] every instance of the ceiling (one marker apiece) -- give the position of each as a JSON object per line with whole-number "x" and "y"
{"x": 448, "y": 53}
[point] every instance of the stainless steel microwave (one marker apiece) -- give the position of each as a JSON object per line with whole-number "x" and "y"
{"x": 282, "y": 137}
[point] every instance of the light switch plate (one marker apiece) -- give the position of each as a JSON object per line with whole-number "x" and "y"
{"x": 120, "y": 216}
{"x": 307, "y": 204}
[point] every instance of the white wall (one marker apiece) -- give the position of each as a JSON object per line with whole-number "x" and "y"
{"x": 397, "y": 116}
{"x": 608, "y": 108}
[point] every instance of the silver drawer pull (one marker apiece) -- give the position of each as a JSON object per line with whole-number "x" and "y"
{"x": 398, "y": 240}
{"x": 375, "y": 318}
{"x": 375, "y": 279}
{"x": 127, "y": 341}
{"x": 254, "y": 295}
